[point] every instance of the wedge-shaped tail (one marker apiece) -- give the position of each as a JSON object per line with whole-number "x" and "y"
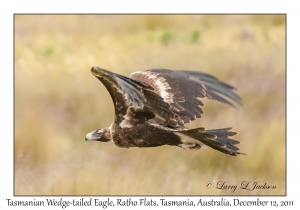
{"x": 217, "y": 139}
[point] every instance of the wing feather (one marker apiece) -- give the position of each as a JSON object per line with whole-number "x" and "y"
{"x": 172, "y": 96}
{"x": 125, "y": 90}
{"x": 182, "y": 90}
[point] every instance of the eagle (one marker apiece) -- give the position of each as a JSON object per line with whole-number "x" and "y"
{"x": 153, "y": 106}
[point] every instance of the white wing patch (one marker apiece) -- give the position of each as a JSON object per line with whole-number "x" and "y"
{"x": 157, "y": 82}
{"x": 126, "y": 122}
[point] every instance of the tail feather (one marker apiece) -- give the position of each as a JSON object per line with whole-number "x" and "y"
{"x": 216, "y": 139}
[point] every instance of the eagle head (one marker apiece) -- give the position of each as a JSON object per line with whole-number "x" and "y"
{"x": 102, "y": 134}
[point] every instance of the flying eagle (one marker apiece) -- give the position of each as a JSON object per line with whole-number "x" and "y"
{"x": 153, "y": 106}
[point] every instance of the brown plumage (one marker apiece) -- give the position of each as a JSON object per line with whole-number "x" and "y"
{"x": 152, "y": 107}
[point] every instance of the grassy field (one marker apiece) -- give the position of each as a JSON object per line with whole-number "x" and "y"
{"x": 58, "y": 101}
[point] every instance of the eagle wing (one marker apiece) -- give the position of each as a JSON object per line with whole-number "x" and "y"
{"x": 165, "y": 97}
{"x": 182, "y": 90}
{"x": 128, "y": 93}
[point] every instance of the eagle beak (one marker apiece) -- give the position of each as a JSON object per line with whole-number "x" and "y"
{"x": 89, "y": 136}
{"x": 97, "y": 135}
{"x": 93, "y": 136}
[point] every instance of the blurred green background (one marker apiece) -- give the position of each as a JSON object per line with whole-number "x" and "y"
{"x": 58, "y": 101}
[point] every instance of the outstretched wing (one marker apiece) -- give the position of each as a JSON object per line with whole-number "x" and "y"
{"x": 164, "y": 97}
{"x": 130, "y": 94}
{"x": 182, "y": 90}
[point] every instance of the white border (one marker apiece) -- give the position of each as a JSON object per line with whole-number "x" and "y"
{"x": 6, "y": 54}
